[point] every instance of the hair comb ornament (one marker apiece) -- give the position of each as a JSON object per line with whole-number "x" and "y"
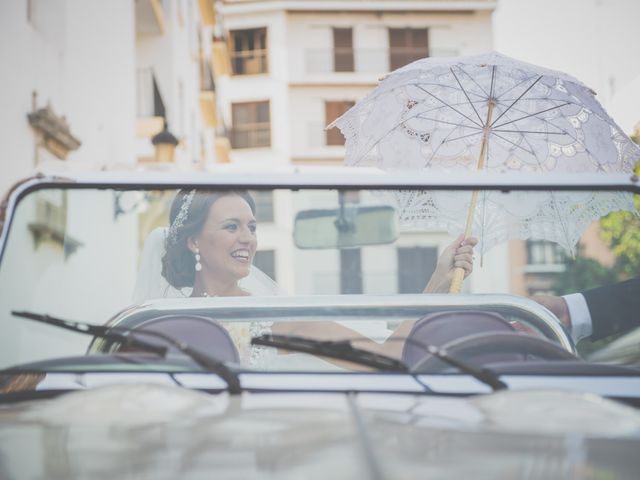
{"x": 178, "y": 222}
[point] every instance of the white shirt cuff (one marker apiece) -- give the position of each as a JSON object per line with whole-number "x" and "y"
{"x": 580, "y": 316}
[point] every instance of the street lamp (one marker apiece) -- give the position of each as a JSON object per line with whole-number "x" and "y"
{"x": 165, "y": 143}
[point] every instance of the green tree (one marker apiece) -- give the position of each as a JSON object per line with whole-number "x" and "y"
{"x": 582, "y": 273}
{"x": 621, "y": 231}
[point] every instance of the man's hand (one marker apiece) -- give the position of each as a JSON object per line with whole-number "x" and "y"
{"x": 557, "y": 306}
{"x": 458, "y": 254}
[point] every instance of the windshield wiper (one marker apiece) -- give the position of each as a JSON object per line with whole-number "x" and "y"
{"x": 343, "y": 350}
{"x": 340, "y": 350}
{"x": 484, "y": 375}
{"x": 126, "y": 337}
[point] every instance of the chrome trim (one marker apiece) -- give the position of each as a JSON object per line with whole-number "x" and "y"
{"x": 306, "y": 177}
{"x": 307, "y": 308}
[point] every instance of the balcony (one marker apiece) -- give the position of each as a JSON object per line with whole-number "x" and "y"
{"x": 150, "y": 109}
{"x": 207, "y": 12}
{"x": 255, "y": 136}
{"x": 364, "y": 61}
{"x": 249, "y": 62}
{"x": 208, "y": 105}
{"x": 220, "y": 58}
{"x": 150, "y": 19}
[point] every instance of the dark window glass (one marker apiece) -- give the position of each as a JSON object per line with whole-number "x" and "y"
{"x": 343, "y": 50}
{"x": 332, "y": 111}
{"x": 265, "y": 260}
{"x": 251, "y": 125}
{"x": 350, "y": 271}
{"x": 542, "y": 252}
{"x": 249, "y": 51}
{"x": 407, "y": 45}
{"x": 415, "y": 267}
{"x": 264, "y": 205}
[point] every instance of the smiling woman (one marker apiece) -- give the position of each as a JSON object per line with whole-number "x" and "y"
{"x": 211, "y": 242}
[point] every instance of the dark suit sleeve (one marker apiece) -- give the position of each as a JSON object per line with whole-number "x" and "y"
{"x": 614, "y": 308}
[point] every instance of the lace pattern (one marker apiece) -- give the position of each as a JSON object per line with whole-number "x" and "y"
{"x": 430, "y": 115}
{"x": 559, "y": 217}
{"x": 242, "y": 333}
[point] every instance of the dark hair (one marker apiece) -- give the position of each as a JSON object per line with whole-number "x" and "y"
{"x": 178, "y": 262}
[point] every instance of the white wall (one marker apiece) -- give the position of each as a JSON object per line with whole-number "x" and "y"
{"x": 174, "y": 58}
{"x": 271, "y": 86}
{"x": 84, "y": 286}
{"x": 77, "y": 55}
{"x": 595, "y": 40}
{"x": 311, "y": 44}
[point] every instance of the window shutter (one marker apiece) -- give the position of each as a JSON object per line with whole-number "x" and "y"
{"x": 343, "y": 50}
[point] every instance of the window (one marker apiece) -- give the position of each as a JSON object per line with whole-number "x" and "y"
{"x": 249, "y": 51}
{"x": 415, "y": 267}
{"x": 251, "y": 125}
{"x": 264, "y": 205}
{"x": 407, "y": 45}
{"x": 343, "y": 50}
{"x": 350, "y": 271}
{"x": 542, "y": 252}
{"x": 332, "y": 111}
{"x": 265, "y": 260}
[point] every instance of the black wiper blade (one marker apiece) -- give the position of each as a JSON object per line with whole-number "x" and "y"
{"x": 127, "y": 337}
{"x": 483, "y": 375}
{"x": 340, "y": 350}
{"x": 343, "y": 350}
{"x": 123, "y": 338}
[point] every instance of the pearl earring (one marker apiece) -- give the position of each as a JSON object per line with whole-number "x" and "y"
{"x": 198, "y": 264}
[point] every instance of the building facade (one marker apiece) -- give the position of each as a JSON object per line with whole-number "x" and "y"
{"x": 89, "y": 83}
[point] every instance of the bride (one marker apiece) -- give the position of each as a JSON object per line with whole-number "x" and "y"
{"x": 208, "y": 252}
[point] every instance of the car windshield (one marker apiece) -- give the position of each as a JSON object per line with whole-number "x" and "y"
{"x": 217, "y": 267}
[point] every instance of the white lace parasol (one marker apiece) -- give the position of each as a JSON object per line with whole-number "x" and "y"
{"x": 495, "y": 114}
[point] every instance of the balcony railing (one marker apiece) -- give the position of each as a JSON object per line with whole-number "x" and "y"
{"x": 207, "y": 83}
{"x": 149, "y": 101}
{"x": 249, "y": 62}
{"x": 372, "y": 61}
{"x": 253, "y": 136}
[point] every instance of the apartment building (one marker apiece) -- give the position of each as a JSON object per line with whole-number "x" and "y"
{"x": 293, "y": 67}
{"x": 298, "y": 65}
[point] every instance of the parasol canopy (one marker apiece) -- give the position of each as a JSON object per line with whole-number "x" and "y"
{"x": 491, "y": 113}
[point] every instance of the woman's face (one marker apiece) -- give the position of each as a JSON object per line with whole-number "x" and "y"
{"x": 227, "y": 241}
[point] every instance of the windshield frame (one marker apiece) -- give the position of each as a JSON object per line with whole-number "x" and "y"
{"x": 343, "y": 178}
{"x": 335, "y": 179}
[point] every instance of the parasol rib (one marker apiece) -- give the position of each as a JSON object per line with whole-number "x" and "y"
{"x": 575, "y": 139}
{"x": 530, "y": 115}
{"x": 486, "y": 95}
{"x": 415, "y": 115}
{"x": 529, "y": 131}
{"x": 513, "y": 143}
{"x": 465, "y": 94}
{"x": 451, "y": 107}
{"x": 448, "y": 123}
{"x": 463, "y": 136}
{"x": 517, "y": 100}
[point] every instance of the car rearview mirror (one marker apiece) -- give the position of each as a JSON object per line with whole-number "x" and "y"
{"x": 347, "y": 227}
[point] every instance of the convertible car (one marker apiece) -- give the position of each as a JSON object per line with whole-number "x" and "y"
{"x": 301, "y": 324}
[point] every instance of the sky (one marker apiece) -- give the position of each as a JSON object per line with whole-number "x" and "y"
{"x": 597, "y": 41}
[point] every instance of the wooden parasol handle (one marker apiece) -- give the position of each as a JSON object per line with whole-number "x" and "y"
{"x": 458, "y": 273}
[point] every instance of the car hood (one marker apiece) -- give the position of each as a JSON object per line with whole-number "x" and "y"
{"x": 157, "y": 431}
